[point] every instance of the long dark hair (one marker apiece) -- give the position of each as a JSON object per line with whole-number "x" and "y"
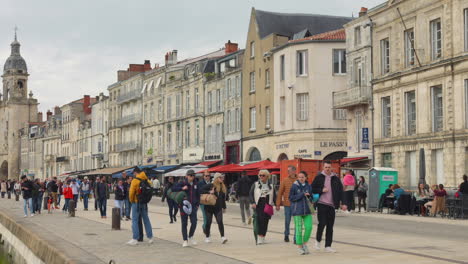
{"x": 362, "y": 179}
{"x": 465, "y": 178}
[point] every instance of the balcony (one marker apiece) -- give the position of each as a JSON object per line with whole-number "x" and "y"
{"x": 49, "y": 158}
{"x": 129, "y": 120}
{"x": 62, "y": 159}
{"x": 129, "y": 146}
{"x": 129, "y": 96}
{"x": 352, "y": 97}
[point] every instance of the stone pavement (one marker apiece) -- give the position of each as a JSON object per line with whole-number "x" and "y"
{"x": 93, "y": 235}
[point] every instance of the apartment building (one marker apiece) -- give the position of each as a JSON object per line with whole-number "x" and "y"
{"x": 99, "y": 132}
{"x": 420, "y": 89}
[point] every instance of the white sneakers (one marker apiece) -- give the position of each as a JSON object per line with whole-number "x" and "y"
{"x": 185, "y": 244}
{"x": 330, "y": 250}
{"x": 317, "y": 245}
{"x": 192, "y": 241}
{"x": 151, "y": 241}
{"x": 301, "y": 251}
{"x": 224, "y": 240}
{"x": 132, "y": 242}
{"x": 32, "y": 215}
{"x": 306, "y": 249}
{"x": 25, "y": 216}
{"x": 260, "y": 240}
{"x": 208, "y": 240}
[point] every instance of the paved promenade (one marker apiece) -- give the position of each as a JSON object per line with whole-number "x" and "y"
{"x": 355, "y": 242}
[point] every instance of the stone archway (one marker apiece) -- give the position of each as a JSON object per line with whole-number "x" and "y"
{"x": 282, "y": 156}
{"x": 254, "y": 154}
{"x": 4, "y": 170}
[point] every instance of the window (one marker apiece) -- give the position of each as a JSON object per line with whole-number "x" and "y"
{"x": 218, "y": 137}
{"x": 169, "y": 138}
{"x": 267, "y": 78}
{"x": 357, "y": 36}
{"x": 302, "y": 102}
{"x": 197, "y": 132}
{"x": 187, "y": 102}
{"x": 178, "y": 135}
{"x": 282, "y": 68}
{"x": 178, "y": 105}
{"x": 160, "y": 140}
{"x": 409, "y": 51}
{"x": 238, "y": 89}
{"x": 466, "y": 28}
{"x": 145, "y": 114}
{"x": 210, "y": 102}
{"x": 160, "y": 109}
{"x": 437, "y": 109}
{"x": 237, "y": 120}
{"x": 385, "y": 55}
{"x": 253, "y": 120}
{"x": 301, "y": 63}
{"x": 229, "y": 92}
{"x": 151, "y": 113}
{"x": 436, "y": 39}
{"x": 339, "y": 114}
{"x": 358, "y": 72}
{"x": 267, "y": 117}
{"x": 233, "y": 122}
{"x": 151, "y": 140}
{"x": 218, "y": 100}
{"x": 466, "y": 104}
{"x": 386, "y": 117}
{"x": 252, "y": 82}
{"x": 410, "y": 112}
{"x": 228, "y": 121}
{"x": 282, "y": 109}
{"x": 252, "y": 49}
{"x": 196, "y": 100}
{"x": 187, "y": 134}
{"x": 387, "y": 160}
{"x": 169, "y": 106}
{"x": 339, "y": 61}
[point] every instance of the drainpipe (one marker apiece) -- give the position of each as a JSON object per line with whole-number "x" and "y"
{"x": 371, "y": 106}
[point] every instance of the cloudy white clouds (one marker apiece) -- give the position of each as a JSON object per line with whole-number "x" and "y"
{"x": 75, "y": 47}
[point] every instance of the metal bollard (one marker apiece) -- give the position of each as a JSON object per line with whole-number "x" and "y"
{"x": 115, "y": 218}
{"x": 9, "y": 195}
{"x": 71, "y": 208}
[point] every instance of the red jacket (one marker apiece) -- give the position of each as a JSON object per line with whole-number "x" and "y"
{"x": 67, "y": 192}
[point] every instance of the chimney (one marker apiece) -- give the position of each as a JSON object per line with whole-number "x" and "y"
{"x": 86, "y": 104}
{"x": 174, "y": 57}
{"x": 49, "y": 114}
{"x": 57, "y": 110}
{"x": 147, "y": 65}
{"x": 230, "y": 47}
{"x": 363, "y": 11}
{"x": 39, "y": 117}
{"x": 171, "y": 58}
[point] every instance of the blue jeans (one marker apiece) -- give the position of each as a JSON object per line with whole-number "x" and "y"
{"x": 204, "y": 218}
{"x": 137, "y": 210}
{"x": 287, "y": 219}
{"x": 128, "y": 208}
{"x": 85, "y": 200}
{"x": 119, "y": 204}
{"x": 193, "y": 222}
{"x": 102, "y": 206}
{"x": 59, "y": 198}
{"x": 65, "y": 207}
{"x": 26, "y": 203}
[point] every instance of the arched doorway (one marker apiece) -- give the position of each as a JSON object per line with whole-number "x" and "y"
{"x": 336, "y": 155}
{"x": 4, "y": 170}
{"x": 282, "y": 156}
{"x": 254, "y": 154}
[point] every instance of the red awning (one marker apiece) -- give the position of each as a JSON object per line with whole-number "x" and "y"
{"x": 209, "y": 163}
{"x": 224, "y": 168}
{"x": 348, "y": 160}
{"x": 257, "y": 166}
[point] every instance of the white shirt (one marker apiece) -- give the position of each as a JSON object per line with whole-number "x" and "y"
{"x": 156, "y": 184}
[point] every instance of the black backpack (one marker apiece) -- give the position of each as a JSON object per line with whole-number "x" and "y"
{"x": 145, "y": 192}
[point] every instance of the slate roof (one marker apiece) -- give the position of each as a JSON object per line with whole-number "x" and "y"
{"x": 285, "y": 24}
{"x": 339, "y": 34}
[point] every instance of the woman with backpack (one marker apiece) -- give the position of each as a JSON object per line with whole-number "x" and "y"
{"x": 262, "y": 199}
{"x": 362, "y": 188}
{"x": 300, "y": 195}
{"x": 119, "y": 199}
{"x": 218, "y": 189}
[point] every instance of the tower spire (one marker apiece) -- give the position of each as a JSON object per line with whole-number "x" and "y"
{"x": 16, "y": 29}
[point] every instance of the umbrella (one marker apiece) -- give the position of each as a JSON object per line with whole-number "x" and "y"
{"x": 255, "y": 226}
{"x": 422, "y": 166}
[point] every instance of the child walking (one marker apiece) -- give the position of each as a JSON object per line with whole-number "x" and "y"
{"x": 299, "y": 196}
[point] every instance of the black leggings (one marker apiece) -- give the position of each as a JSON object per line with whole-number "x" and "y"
{"x": 361, "y": 200}
{"x": 262, "y": 218}
{"x": 173, "y": 209}
{"x": 349, "y": 200}
{"x": 218, "y": 214}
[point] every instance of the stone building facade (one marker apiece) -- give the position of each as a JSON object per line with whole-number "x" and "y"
{"x": 99, "y": 132}
{"x": 421, "y": 88}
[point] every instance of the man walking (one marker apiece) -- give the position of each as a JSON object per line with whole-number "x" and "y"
{"x": 173, "y": 207}
{"x": 328, "y": 185}
{"x": 52, "y": 188}
{"x": 27, "y": 187}
{"x": 85, "y": 190}
{"x": 206, "y": 180}
{"x": 102, "y": 193}
{"x": 242, "y": 192}
{"x": 126, "y": 203}
{"x": 283, "y": 197}
{"x": 75, "y": 189}
{"x": 193, "y": 199}
{"x": 96, "y": 200}
{"x": 139, "y": 208}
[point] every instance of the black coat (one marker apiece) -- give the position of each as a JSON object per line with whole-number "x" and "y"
{"x": 119, "y": 193}
{"x": 27, "y": 193}
{"x": 336, "y": 185}
{"x": 243, "y": 186}
{"x": 464, "y": 188}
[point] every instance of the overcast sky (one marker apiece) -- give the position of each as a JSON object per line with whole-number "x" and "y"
{"x": 75, "y": 47}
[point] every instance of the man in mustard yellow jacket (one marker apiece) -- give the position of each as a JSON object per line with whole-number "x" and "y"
{"x": 139, "y": 208}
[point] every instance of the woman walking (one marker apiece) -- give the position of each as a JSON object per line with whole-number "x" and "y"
{"x": 67, "y": 194}
{"x": 173, "y": 207}
{"x": 348, "y": 186}
{"x": 299, "y": 196}
{"x": 219, "y": 190}
{"x": 362, "y": 193}
{"x": 262, "y": 199}
{"x": 120, "y": 195}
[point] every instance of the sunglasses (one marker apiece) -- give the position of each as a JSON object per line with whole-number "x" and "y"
{"x": 262, "y": 175}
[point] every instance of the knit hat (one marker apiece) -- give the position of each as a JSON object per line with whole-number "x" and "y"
{"x": 187, "y": 207}
{"x": 216, "y": 176}
{"x": 190, "y": 172}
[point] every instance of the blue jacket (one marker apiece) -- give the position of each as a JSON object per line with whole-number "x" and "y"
{"x": 299, "y": 204}
{"x": 398, "y": 192}
{"x": 193, "y": 193}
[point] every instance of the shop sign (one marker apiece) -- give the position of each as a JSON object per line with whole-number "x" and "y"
{"x": 365, "y": 138}
{"x": 282, "y": 146}
{"x": 333, "y": 144}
